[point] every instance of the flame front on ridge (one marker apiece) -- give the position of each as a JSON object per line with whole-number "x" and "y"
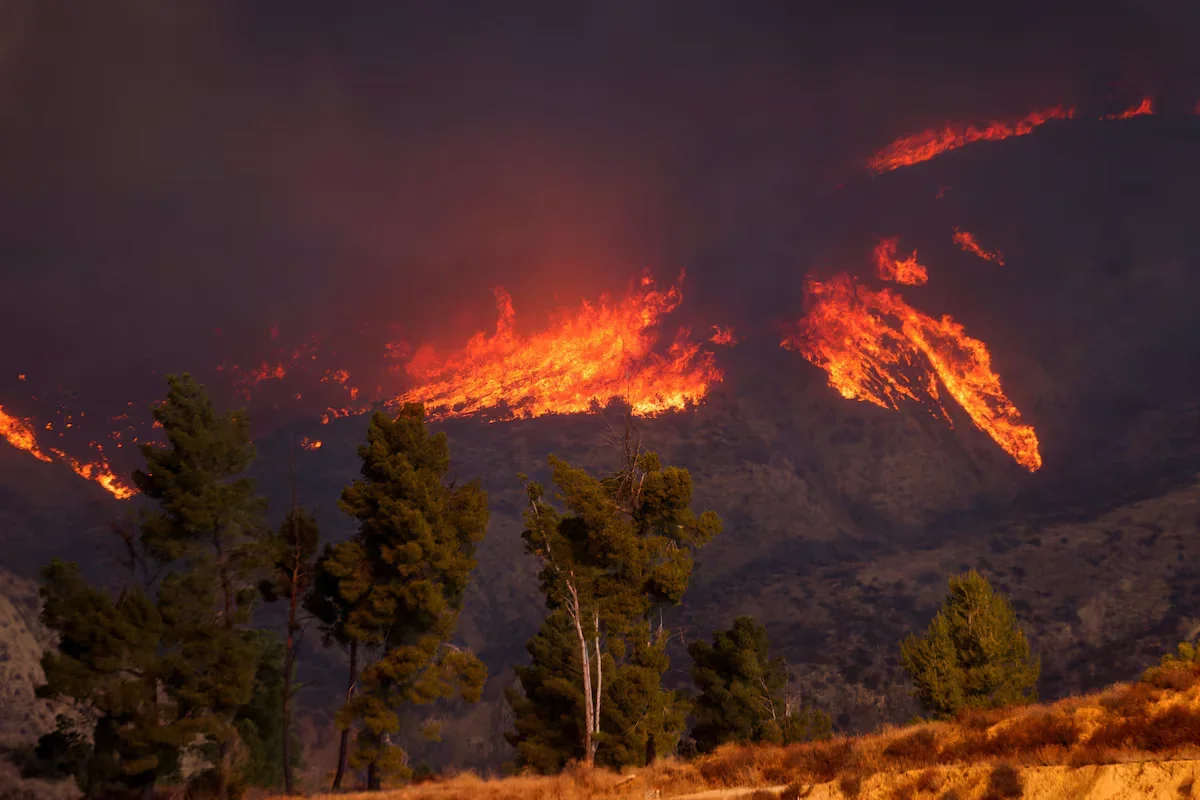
{"x": 934, "y": 142}
{"x": 591, "y": 355}
{"x": 875, "y": 347}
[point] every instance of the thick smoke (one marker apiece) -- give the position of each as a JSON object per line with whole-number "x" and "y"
{"x": 175, "y": 170}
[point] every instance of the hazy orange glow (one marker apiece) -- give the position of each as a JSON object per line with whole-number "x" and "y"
{"x": 933, "y": 142}
{"x": 968, "y": 243}
{"x": 890, "y": 267}
{"x": 1142, "y": 108}
{"x": 722, "y": 336}
{"x": 592, "y": 354}
{"x": 875, "y": 347}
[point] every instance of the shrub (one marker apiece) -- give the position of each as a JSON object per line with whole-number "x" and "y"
{"x": 1004, "y": 782}
{"x": 916, "y": 748}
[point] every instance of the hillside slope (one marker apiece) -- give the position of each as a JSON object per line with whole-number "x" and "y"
{"x": 1137, "y": 740}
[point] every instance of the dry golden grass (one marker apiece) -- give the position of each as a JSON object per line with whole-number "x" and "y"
{"x": 1155, "y": 720}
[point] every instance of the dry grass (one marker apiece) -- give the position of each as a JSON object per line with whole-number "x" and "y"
{"x": 1158, "y": 719}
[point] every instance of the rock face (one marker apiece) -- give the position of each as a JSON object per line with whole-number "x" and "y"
{"x": 22, "y": 640}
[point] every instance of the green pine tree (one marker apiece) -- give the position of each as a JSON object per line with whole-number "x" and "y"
{"x": 974, "y": 654}
{"x": 341, "y": 581}
{"x": 292, "y": 572}
{"x": 418, "y": 534}
{"x": 621, "y": 548}
{"x": 120, "y": 737}
{"x": 207, "y": 535}
{"x": 743, "y": 692}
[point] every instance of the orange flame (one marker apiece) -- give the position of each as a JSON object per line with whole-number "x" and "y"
{"x": 890, "y": 267}
{"x": 310, "y": 444}
{"x": 877, "y": 348}
{"x": 934, "y": 142}
{"x": 969, "y": 244}
{"x": 1142, "y": 108}
{"x": 722, "y": 336}
{"x": 597, "y": 353}
{"x": 100, "y": 472}
{"x": 19, "y": 433}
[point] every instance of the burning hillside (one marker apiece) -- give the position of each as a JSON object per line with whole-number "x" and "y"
{"x": 588, "y": 356}
{"x": 917, "y": 148}
{"x": 20, "y": 434}
{"x": 876, "y": 347}
{"x": 931, "y": 143}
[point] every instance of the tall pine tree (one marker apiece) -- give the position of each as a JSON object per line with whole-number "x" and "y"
{"x": 743, "y": 692}
{"x": 292, "y": 573}
{"x": 208, "y": 537}
{"x": 621, "y": 549}
{"x": 342, "y": 580}
{"x": 417, "y": 534}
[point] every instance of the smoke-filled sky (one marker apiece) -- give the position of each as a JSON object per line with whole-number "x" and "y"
{"x": 171, "y": 170}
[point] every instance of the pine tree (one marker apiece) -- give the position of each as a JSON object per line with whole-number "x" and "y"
{"x": 418, "y": 535}
{"x": 341, "y": 581}
{"x": 118, "y": 740}
{"x": 743, "y": 692}
{"x": 621, "y": 549}
{"x": 974, "y": 654}
{"x": 207, "y": 535}
{"x": 292, "y": 574}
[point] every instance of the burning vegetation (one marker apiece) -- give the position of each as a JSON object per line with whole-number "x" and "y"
{"x": 877, "y": 348}
{"x": 890, "y": 267}
{"x": 967, "y": 242}
{"x": 917, "y": 148}
{"x": 588, "y": 356}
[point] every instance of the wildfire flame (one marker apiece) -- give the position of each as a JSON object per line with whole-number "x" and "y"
{"x": 934, "y": 142}
{"x": 310, "y": 444}
{"x": 891, "y": 267}
{"x": 877, "y": 348}
{"x": 19, "y": 433}
{"x": 594, "y": 354}
{"x": 1142, "y": 108}
{"x": 969, "y": 244}
{"x": 723, "y": 336}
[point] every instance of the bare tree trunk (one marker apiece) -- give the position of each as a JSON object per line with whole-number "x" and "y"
{"x": 344, "y": 744}
{"x": 588, "y": 743}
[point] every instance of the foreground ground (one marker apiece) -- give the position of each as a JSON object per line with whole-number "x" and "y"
{"x": 1130, "y": 741}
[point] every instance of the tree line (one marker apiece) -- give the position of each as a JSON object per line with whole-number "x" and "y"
{"x": 167, "y": 681}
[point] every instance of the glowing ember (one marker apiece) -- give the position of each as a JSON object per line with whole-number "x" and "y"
{"x": 310, "y": 444}
{"x": 722, "y": 336}
{"x": 969, "y": 244}
{"x": 1141, "y": 109}
{"x": 877, "y": 348}
{"x": 934, "y": 142}
{"x": 891, "y": 267}
{"x": 594, "y": 354}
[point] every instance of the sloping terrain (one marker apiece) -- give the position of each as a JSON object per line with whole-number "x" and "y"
{"x": 1138, "y": 740}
